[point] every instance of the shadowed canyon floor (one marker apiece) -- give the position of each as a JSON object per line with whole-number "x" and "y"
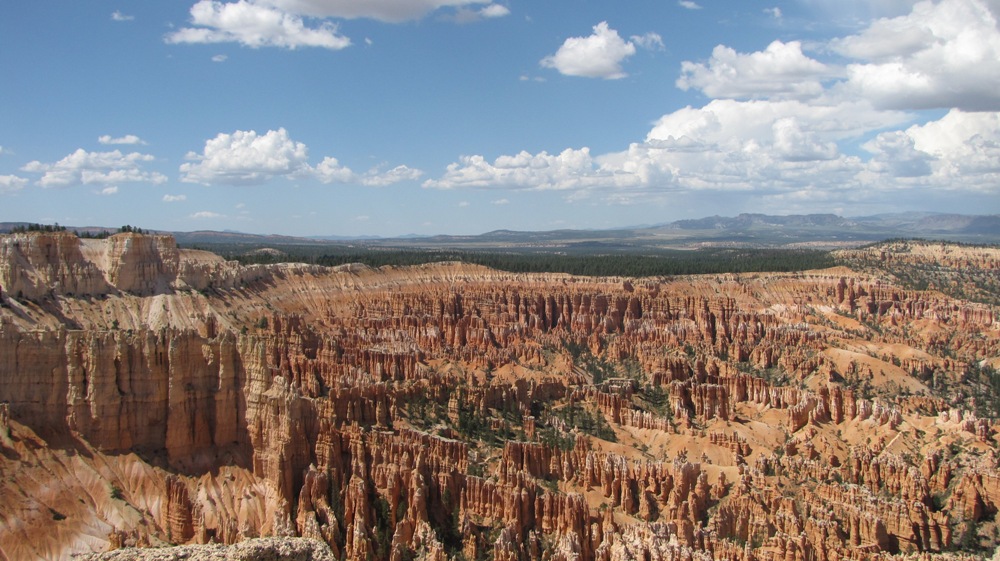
{"x": 153, "y": 396}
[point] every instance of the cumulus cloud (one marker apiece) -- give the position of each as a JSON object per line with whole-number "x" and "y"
{"x": 174, "y": 198}
{"x": 249, "y": 158}
{"x": 206, "y": 214}
{"x": 598, "y": 55}
{"x": 794, "y": 144}
{"x": 941, "y": 54}
{"x": 785, "y": 151}
{"x": 468, "y": 15}
{"x": 732, "y": 124}
{"x": 774, "y": 146}
{"x": 784, "y": 126}
{"x": 895, "y": 155}
{"x": 307, "y": 23}
{"x": 495, "y": 11}
{"x": 378, "y": 178}
{"x": 960, "y": 151}
{"x": 965, "y": 147}
{"x": 246, "y": 158}
{"x": 118, "y": 16}
{"x": 255, "y": 25}
{"x": 11, "y": 184}
{"x": 500, "y": 202}
{"x": 651, "y": 41}
{"x": 95, "y": 168}
{"x": 220, "y": 58}
{"x": 689, "y": 5}
{"x": 543, "y": 171}
{"x": 112, "y": 190}
{"x": 330, "y": 171}
{"x": 774, "y": 12}
{"x": 392, "y": 11}
{"x": 128, "y": 139}
{"x": 781, "y": 70}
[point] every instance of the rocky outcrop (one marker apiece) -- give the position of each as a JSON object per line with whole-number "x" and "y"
{"x": 154, "y": 395}
{"x": 260, "y": 549}
{"x": 37, "y": 265}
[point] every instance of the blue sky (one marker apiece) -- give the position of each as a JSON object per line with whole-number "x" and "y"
{"x": 392, "y": 117}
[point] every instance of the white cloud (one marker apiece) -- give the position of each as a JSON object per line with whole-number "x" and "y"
{"x": 330, "y": 171}
{"x": 543, "y": 171}
{"x": 941, "y": 54}
{"x": 11, "y": 184}
{"x": 362, "y": 218}
{"x": 895, "y": 155}
{"x": 689, "y": 5}
{"x": 774, "y": 12}
{"x": 128, "y": 139}
{"x": 500, "y": 202}
{"x": 111, "y": 190}
{"x": 254, "y": 25}
{"x": 174, "y": 198}
{"x": 95, "y": 168}
{"x": 728, "y": 145}
{"x": 965, "y": 146}
{"x": 220, "y": 58}
{"x": 787, "y": 152}
{"x": 206, "y": 214}
{"x": 393, "y": 11}
{"x": 793, "y": 144}
{"x": 784, "y": 128}
{"x": 376, "y": 178}
{"x": 118, "y": 16}
{"x": 732, "y": 124}
{"x": 464, "y": 204}
{"x": 651, "y": 41}
{"x": 958, "y": 152}
{"x": 596, "y": 56}
{"x": 466, "y": 15}
{"x": 495, "y": 11}
{"x": 781, "y": 70}
{"x": 246, "y": 158}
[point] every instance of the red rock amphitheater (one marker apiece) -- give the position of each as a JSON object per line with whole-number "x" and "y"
{"x": 155, "y": 396}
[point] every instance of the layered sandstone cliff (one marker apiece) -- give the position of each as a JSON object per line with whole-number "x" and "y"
{"x": 154, "y": 396}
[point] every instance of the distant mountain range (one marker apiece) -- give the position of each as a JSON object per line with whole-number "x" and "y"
{"x": 757, "y": 230}
{"x": 902, "y": 223}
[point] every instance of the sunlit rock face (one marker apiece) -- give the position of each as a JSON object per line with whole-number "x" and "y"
{"x": 151, "y": 395}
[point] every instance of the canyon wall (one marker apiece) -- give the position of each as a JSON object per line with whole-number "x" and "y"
{"x": 152, "y": 395}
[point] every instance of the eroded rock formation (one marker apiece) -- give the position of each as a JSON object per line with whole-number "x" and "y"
{"x": 151, "y": 395}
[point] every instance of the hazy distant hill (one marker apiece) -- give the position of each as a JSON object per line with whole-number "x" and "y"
{"x": 747, "y": 221}
{"x": 749, "y": 230}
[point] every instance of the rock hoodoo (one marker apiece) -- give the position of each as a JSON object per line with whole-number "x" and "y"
{"x": 151, "y": 395}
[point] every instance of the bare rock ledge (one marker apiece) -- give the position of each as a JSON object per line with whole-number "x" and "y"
{"x": 259, "y": 549}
